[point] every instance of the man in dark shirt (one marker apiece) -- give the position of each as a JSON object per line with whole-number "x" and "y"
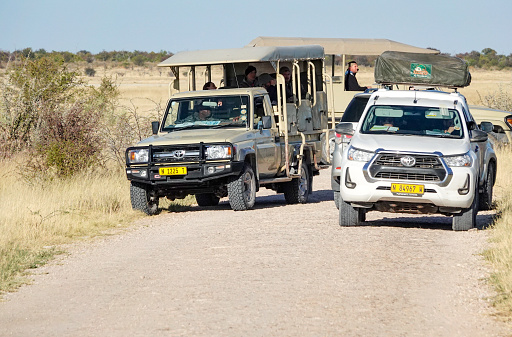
{"x": 351, "y": 83}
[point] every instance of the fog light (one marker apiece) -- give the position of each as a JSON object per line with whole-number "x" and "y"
{"x": 143, "y": 173}
{"x": 211, "y": 170}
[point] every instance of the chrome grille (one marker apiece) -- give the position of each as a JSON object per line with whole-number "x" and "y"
{"x": 176, "y": 154}
{"x": 421, "y": 161}
{"x": 426, "y": 168}
{"x": 407, "y": 176}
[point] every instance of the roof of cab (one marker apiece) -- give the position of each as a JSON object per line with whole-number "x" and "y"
{"x": 246, "y": 54}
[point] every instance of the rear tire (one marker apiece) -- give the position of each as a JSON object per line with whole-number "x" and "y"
{"x": 298, "y": 190}
{"x": 242, "y": 191}
{"x": 485, "y": 198}
{"x": 143, "y": 199}
{"x": 207, "y": 199}
{"x": 467, "y": 218}
{"x": 350, "y": 216}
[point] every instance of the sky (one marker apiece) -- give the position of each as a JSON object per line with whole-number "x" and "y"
{"x": 451, "y": 26}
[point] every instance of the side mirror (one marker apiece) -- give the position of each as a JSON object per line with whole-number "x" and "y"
{"x": 478, "y": 136}
{"x": 471, "y": 125}
{"x": 486, "y": 127}
{"x": 266, "y": 121}
{"x": 154, "y": 127}
{"x": 345, "y": 129}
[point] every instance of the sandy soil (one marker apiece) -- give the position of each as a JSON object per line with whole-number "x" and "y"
{"x": 277, "y": 270}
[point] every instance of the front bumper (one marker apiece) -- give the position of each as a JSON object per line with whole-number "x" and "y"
{"x": 198, "y": 175}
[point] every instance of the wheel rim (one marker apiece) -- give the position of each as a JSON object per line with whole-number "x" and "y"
{"x": 248, "y": 188}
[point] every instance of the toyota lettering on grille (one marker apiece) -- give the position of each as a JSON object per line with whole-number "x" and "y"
{"x": 408, "y": 161}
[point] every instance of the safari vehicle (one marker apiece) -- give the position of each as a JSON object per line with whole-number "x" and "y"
{"x": 417, "y": 151}
{"x": 232, "y": 141}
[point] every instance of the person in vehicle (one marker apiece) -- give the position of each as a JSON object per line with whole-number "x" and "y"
{"x": 287, "y": 74}
{"x": 209, "y": 86}
{"x": 250, "y": 78}
{"x": 351, "y": 83}
{"x": 269, "y": 83}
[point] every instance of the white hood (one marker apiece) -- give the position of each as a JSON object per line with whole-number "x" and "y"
{"x": 408, "y": 143}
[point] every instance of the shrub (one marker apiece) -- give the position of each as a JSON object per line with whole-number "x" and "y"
{"x": 90, "y": 72}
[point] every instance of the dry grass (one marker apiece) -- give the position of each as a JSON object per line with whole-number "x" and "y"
{"x": 500, "y": 253}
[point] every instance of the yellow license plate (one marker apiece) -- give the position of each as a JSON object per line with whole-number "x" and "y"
{"x": 172, "y": 171}
{"x": 407, "y": 189}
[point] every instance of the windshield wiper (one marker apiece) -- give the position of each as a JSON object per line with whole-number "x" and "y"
{"x": 228, "y": 124}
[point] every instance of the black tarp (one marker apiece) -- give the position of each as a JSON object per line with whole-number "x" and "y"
{"x": 421, "y": 69}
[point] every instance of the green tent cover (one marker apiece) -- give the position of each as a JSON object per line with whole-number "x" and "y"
{"x": 421, "y": 69}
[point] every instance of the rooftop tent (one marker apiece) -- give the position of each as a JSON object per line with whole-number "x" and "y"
{"x": 340, "y": 46}
{"x": 423, "y": 69}
{"x": 244, "y": 55}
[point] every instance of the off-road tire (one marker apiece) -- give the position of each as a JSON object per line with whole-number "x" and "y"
{"x": 485, "y": 198}
{"x": 350, "y": 216}
{"x": 467, "y": 218}
{"x": 298, "y": 190}
{"x": 242, "y": 191}
{"x": 337, "y": 199}
{"x": 207, "y": 199}
{"x": 142, "y": 200}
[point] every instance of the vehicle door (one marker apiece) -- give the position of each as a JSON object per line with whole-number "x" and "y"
{"x": 267, "y": 150}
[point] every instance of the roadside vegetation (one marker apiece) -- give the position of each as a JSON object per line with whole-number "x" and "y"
{"x": 62, "y": 177}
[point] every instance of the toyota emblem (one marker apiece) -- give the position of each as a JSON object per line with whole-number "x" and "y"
{"x": 178, "y": 154}
{"x": 408, "y": 161}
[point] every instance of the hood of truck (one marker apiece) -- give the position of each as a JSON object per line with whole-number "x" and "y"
{"x": 408, "y": 143}
{"x": 194, "y": 136}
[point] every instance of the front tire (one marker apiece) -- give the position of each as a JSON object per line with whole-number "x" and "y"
{"x": 242, "y": 191}
{"x": 143, "y": 199}
{"x": 467, "y": 218}
{"x": 350, "y": 216}
{"x": 207, "y": 199}
{"x": 485, "y": 198}
{"x": 298, "y": 190}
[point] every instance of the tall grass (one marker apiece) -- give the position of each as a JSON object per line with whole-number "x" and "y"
{"x": 36, "y": 217}
{"x": 500, "y": 252}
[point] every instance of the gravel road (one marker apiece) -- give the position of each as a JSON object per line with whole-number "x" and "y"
{"x": 277, "y": 270}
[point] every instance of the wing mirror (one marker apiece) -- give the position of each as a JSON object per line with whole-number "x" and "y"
{"x": 345, "y": 129}
{"x": 154, "y": 127}
{"x": 486, "y": 127}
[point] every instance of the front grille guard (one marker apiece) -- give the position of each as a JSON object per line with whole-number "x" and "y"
{"x": 447, "y": 178}
{"x": 197, "y": 151}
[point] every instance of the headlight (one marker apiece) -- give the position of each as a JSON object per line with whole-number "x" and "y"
{"x": 218, "y": 152}
{"x": 459, "y": 161}
{"x": 136, "y": 156}
{"x": 359, "y": 155}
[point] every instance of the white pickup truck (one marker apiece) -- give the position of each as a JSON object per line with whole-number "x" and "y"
{"x": 416, "y": 152}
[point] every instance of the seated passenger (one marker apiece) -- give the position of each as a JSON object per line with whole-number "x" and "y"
{"x": 287, "y": 74}
{"x": 269, "y": 83}
{"x": 250, "y": 78}
{"x": 209, "y": 86}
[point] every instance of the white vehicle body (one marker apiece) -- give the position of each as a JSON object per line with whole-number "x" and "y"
{"x": 451, "y": 170}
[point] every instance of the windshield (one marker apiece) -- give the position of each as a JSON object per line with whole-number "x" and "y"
{"x": 206, "y": 112}
{"x": 413, "y": 120}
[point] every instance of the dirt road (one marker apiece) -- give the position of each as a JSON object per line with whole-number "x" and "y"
{"x": 278, "y": 270}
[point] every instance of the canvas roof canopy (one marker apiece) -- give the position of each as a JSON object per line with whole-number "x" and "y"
{"x": 244, "y": 55}
{"x": 342, "y": 46}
